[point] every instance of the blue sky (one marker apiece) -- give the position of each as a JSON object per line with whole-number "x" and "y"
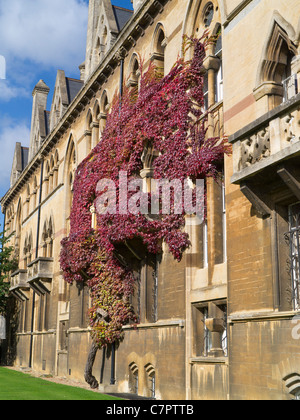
{"x": 37, "y": 37}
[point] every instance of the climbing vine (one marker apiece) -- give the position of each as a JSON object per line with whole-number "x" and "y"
{"x": 166, "y": 115}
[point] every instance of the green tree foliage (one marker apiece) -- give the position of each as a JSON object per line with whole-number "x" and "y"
{"x": 8, "y": 264}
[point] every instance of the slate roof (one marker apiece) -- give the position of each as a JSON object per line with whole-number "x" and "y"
{"x": 24, "y": 154}
{"x": 122, "y": 16}
{"x": 47, "y": 122}
{"x": 73, "y": 87}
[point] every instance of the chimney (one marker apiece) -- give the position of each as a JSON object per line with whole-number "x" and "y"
{"x": 40, "y": 95}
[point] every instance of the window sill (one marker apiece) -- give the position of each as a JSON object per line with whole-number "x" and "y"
{"x": 262, "y": 316}
{"x": 212, "y": 109}
{"x": 36, "y": 333}
{"x": 209, "y": 360}
{"x": 159, "y": 324}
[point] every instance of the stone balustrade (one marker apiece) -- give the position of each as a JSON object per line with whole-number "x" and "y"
{"x": 269, "y": 140}
{"x": 40, "y": 274}
{"x": 18, "y": 285}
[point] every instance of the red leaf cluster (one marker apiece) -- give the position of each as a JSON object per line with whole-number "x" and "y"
{"x": 166, "y": 113}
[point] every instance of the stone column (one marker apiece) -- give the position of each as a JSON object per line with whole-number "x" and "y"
{"x": 95, "y": 134}
{"x": 216, "y": 325}
{"x": 212, "y": 65}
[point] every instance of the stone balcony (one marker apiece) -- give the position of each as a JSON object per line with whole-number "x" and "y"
{"x": 19, "y": 286}
{"x": 268, "y": 140}
{"x": 40, "y": 275}
{"x": 266, "y": 154}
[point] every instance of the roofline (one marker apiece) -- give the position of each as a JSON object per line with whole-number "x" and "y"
{"x": 123, "y": 8}
{"x": 132, "y": 31}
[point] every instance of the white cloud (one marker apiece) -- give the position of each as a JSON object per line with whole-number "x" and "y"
{"x": 8, "y": 92}
{"x": 35, "y": 36}
{"x": 50, "y": 33}
{"x": 11, "y": 131}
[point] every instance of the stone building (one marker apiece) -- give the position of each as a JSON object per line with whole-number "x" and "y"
{"x": 222, "y": 324}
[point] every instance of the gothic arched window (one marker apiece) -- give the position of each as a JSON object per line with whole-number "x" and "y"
{"x": 27, "y": 250}
{"x": 70, "y": 170}
{"x": 159, "y": 46}
{"x": 104, "y": 108}
{"x": 47, "y": 238}
{"x": 275, "y": 79}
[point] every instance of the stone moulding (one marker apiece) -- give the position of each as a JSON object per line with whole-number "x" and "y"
{"x": 19, "y": 286}
{"x": 160, "y": 324}
{"x": 209, "y": 361}
{"x": 263, "y": 316}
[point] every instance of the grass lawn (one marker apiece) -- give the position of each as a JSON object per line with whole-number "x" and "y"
{"x": 18, "y": 386}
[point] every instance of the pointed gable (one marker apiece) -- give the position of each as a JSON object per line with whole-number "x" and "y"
{"x": 20, "y": 162}
{"x": 65, "y": 91}
{"x": 122, "y": 16}
{"x": 38, "y": 130}
{"x": 105, "y": 23}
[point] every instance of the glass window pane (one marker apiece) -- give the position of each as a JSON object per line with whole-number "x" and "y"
{"x": 208, "y": 15}
{"x": 294, "y": 242}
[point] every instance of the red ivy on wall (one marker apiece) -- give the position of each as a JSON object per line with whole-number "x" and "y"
{"x": 165, "y": 114}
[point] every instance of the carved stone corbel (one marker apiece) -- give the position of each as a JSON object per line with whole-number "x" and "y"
{"x": 259, "y": 201}
{"x": 290, "y": 181}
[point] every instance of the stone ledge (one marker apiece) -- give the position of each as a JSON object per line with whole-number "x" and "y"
{"x": 278, "y": 157}
{"x": 209, "y": 360}
{"x": 264, "y": 120}
{"x": 262, "y": 316}
{"x": 78, "y": 330}
{"x": 160, "y": 324}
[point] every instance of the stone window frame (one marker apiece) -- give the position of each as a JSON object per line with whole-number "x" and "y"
{"x": 210, "y": 328}
{"x": 151, "y": 379}
{"x": 294, "y": 236}
{"x": 269, "y": 79}
{"x": 213, "y": 66}
{"x": 134, "y": 378}
{"x": 28, "y": 250}
{"x": 158, "y": 47}
{"x": 134, "y": 72}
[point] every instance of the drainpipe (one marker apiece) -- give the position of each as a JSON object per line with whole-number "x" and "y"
{"x": 113, "y": 364}
{"x": 36, "y": 256}
{"x": 4, "y": 221}
{"x": 113, "y": 347}
{"x": 121, "y": 78}
{"x": 3, "y": 351}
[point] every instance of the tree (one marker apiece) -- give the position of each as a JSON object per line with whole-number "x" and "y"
{"x": 8, "y": 264}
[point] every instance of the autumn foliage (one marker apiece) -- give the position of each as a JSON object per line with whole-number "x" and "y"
{"x": 165, "y": 113}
